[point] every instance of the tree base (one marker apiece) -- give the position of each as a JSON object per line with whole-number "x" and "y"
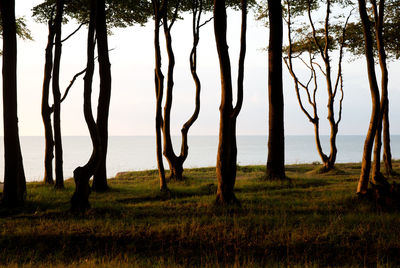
{"x": 227, "y": 199}
{"x": 384, "y": 196}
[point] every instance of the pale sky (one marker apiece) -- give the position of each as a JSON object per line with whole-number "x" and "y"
{"x": 132, "y": 108}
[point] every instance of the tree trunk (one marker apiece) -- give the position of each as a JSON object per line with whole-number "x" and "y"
{"x": 100, "y": 175}
{"x": 57, "y": 97}
{"x": 387, "y": 155}
{"x": 227, "y": 148}
{"x": 369, "y": 140}
{"x": 276, "y": 138}
{"x": 14, "y": 192}
{"x": 46, "y": 110}
{"x": 176, "y": 167}
{"x": 82, "y": 175}
{"x": 159, "y": 87}
{"x": 377, "y": 176}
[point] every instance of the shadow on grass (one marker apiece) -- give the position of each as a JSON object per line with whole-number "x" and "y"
{"x": 192, "y": 249}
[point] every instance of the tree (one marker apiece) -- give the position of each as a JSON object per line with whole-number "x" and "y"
{"x": 57, "y": 95}
{"x": 14, "y": 191}
{"x": 227, "y": 149}
{"x": 313, "y": 43}
{"x": 159, "y": 11}
{"x": 98, "y": 128}
{"x": 276, "y": 138}
{"x": 390, "y": 42}
{"x": 373, "y": 84}
{"x": 176, "y": 161}
{"x": 119, "y": 14}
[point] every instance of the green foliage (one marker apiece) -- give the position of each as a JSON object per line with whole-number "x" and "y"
{"x": 391, "y": 33}
{"x": 316, "y": 220}
{"x": 22, "y": 30}
{"x": 119, "y": 13}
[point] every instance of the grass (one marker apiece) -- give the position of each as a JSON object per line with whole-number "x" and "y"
{"x": 316, "y": 220}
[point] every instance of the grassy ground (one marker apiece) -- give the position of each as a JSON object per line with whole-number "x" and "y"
{"x": 316, "y": 220}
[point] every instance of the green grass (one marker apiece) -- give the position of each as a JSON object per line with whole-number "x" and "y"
{"x": 315, "y": 220}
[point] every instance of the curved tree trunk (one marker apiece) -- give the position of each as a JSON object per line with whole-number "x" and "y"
{"x": 14, "y": 191}
{"x": 46, "y": 110}
{"x": 276, "y": 138}
{"x": 377, "y": 176}
{"x": 369, "y": 140}
{"x": 176, "y": 162}
{"x": 175, "y": 165}
{"x": 82, "y": 175}
{"x": 227, "y": 148}
{"x": 100, "y": 175}
{"x": 57, "y": 97}
{"x": 159, "y": 87}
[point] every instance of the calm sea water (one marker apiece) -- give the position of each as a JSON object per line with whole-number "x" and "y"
{"x": 138, "y": 152}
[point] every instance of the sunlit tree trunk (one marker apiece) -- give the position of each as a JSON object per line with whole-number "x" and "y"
{"x": 369, "y": 140}
{"x": 276, "y": 138}
{"x": 377, "y": 176}
{"x": 14, "y": 192}
{"x": 159, "y": 87}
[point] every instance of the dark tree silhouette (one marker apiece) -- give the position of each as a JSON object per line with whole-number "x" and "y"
{"x": 100, "y": 175}
{"x": 227, "y": 149}
{"x": 46, "y": 109}
{"x": 57, "y": 96}
{"x": 176, "y": 161}
{"x": 14, "y": 191}
{"x": 97, "y": 129}
{"x": 276, "y": 138}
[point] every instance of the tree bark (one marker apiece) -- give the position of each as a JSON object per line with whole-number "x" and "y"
{"x": 46, "y": 109}
{"x": 159, "y": 87}
{"x": 369, "y": 140}
{"x": 100, "y": 175}
{"x": 227, "y": 148}
{"x": 82, "y": 175}
{"x": 276, "y": 138}
{"x": 14, "y": 192}
{"x": 57, "y": 96}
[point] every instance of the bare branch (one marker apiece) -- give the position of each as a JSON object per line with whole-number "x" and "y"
{"x": 74, "y": 32}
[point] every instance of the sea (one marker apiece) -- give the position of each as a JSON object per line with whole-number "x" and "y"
{"x": 130, "y": 153}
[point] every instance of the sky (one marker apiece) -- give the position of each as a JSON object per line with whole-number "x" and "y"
{"x": 132, "y": 109}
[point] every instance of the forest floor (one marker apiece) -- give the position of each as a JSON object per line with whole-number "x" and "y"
{"x": 315, "y": 220}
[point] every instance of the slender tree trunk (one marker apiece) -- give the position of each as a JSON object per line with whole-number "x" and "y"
{"x": 369, "y": 140}
{"x": 175, "y": 165}
{"x": 227, "y": 148}
{"x": 159, "y": 87}
{"x": 276, "y": 138}
{"x": 387, "y": 155}
{"x": 57, "y": 97}
{"x": 176, "y": 162}
{"x": 377, "y": 176}
{"x": 82, "y": 175}
{"x": 46, "y": 110}
{"x": 14, "y": 191}
{"x": 100, "y": 175}
{"x": 196, "y": 12}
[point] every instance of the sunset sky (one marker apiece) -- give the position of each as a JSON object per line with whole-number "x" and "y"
{"x": 132, "y": 109}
